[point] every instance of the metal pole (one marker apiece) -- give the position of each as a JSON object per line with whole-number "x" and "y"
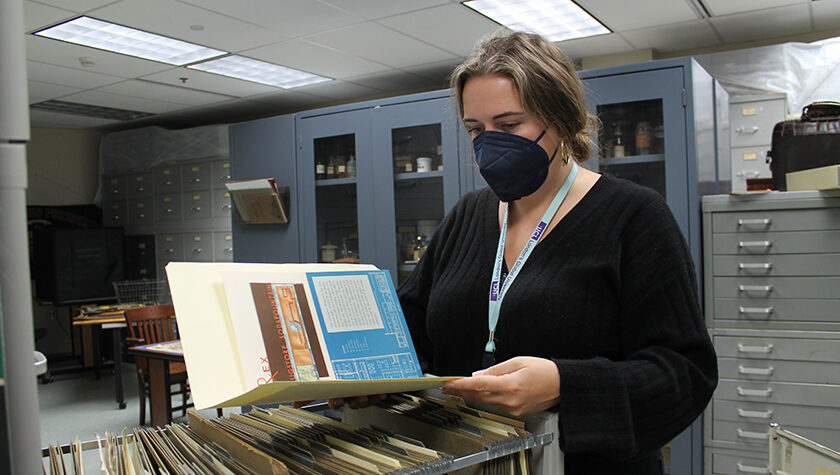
{"x": 18, "y": 344}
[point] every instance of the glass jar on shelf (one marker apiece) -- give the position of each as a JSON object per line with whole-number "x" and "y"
{"x": 340, "y": 167}
{"x": 351, "y": 166}
{"x": 320, "y": 169}
{"x": 644, "y": 138}
{"x": 618, "y": 142}
{"x": 331, "y": 167}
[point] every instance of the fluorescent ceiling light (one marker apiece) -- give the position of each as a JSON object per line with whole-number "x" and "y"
{"x": 253, "y": 70}
{"x": 556, "y": 20}
{"x": 100, "y": 34}
{"x": 88, "y": 110}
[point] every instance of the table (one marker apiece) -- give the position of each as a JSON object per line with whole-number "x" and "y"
{"x": 113, "y": 323}
{"x": 159, "y": 355}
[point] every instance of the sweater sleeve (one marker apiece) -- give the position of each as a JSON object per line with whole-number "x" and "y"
{"x": 668, "y": 369}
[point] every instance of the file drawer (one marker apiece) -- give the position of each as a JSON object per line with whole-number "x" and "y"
{"x": 221, "y": 173}
{"x": 768, "y": 349}
{"x": 808, "y": 219}
{"x": 223, "y": 247}
{"x": 785, "y": 414}
{"x": 757, "y": 370}
{"x": 197, "y": 205}
{"x": 196, "y": 176}
{"x": 783, "y": 242}
{"x": 221, "y": 203}
{"x": 755, "y": 435}
{"x": 751, "y": 123}
{"x": 168, "y": 179}
{"x": 825, "y": 395}
{"x": 140, "y": 185}
{"x": 114, "y": 187}
{"x": 735, "y": 462}
{"x": 168, "y": 207}
{"x": 778, "y": 265}
{"x": 198, "y": 247}
{"x": 141, "y": 212}
{"x": 169, "y": 247}
{"x": 777, "y": 287}
{"x": 114, "y": 214}
{"x": 763, "y": 310}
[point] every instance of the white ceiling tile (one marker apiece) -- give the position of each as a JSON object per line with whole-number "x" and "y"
{"x": 595, "y": 46}
{"x": 394, "y": 81}
{"x": 50, "y": 91}
{"x": 68, "y": 77}
{"x": 372, "y": 9}
{"x": 291, "y": 18}
{"x": 174, "y": 19}
{"x": 454, "y": 27}
{"x": 163, "y": 92}
{"x": 40, "y": 118}
{"x": 726, "y": 7}
{"x": 339, "y": 90}
{"x": 380, "y": 44}
{"x": 783, "y": 21}
{"x": 209, "y": 82}
{"x": 59, "y": 53}
{"x": 436, "y": 72}
{"x": 37, "y": 16}
{"x": 315, "y": 59}
{"x": 680, "y": 36}
{"x": 621, "y": 15}
{"x": 78, "y": 6}
{"x": 826, "y": 15}
{"x": 119, "y": 101}
{"x": 36, "y": 99}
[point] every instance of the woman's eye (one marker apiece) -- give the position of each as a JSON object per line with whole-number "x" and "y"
{"x": 510, "y": 125}
{"x": 473, "y": 131}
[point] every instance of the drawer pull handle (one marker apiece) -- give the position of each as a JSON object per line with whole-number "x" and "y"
{"x": 141, "y": 216}
{"x": 764, "y": 350}
{"x": 746, "y": 434}
{"x": 167, "y": 183}
{"x": 228, "y": 250}
{"x": 755, "y": 392}
{"x": 197, "y": 250}
{"x": 748, "y": 130}
{"x": 761, "y": 310}
{"x": 755, "y": 288}
{"x": 755, "y": 414}
{"x": 750, "y": 469}
{"x": 748, "y": 266}
{"x": 764, "y": 244}
{"x": 224, "y": 178}
{"x": 756, "y": 371}
{"x": 141, "y": 189}
{"x": 226, "y": 207}
{"x": 196, "y": 209}
{"x": 169, "y": 250}
{"x": 754, "y": 222}
{"x": 196, "y": 180}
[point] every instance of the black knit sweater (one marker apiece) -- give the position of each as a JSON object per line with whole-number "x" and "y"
{"x": 609, "y": 295}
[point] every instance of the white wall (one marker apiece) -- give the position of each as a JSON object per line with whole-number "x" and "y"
{"x": 62, "y": 166}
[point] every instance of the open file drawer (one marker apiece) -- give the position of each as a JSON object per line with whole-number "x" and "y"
{"x": 792, "y": 454}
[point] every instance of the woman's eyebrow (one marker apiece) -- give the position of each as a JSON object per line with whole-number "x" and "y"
{"x": 495, "y": 117}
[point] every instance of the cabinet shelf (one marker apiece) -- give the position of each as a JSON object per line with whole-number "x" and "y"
{"x": 412, "y": 176}
{"x": 632, "y": 160}
{"x": 336, "y": 181}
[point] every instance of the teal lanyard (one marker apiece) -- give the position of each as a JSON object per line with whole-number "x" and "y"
{"x": 497, "y": 292}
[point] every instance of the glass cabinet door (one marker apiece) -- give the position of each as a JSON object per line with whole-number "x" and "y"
{"x": 642, "y": 136}
{"x": 336, "y": 178}
{"x": 417, "y": 179}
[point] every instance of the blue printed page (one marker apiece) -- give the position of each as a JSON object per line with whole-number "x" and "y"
{"x": 362, "y": 325}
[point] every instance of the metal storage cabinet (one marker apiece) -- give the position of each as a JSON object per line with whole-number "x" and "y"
{"x": 679, "y": 113}
{"x": 772, "y": 293}
{"x": 753, "y": 119}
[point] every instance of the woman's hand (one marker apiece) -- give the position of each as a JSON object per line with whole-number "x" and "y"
{"x": 519, "y": 386}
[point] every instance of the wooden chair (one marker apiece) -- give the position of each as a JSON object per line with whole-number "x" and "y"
{"x": 155, "y": 324}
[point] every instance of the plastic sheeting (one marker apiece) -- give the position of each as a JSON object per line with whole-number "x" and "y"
{"x": 804, "y": 72}
{"x": 149, "y": 146}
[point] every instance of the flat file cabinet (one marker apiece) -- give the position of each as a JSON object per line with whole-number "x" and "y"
{"x": 772, "y": 305}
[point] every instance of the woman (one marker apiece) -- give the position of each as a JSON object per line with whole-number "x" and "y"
{"x": 598, "y": 319}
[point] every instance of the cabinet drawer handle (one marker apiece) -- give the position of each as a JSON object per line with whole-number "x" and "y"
{"x": 748, "y": 266}
{"x": 167, "y": 183}
{"x": 141, "y": 189}
{"x": 746, "y": 434}
{"x": 761, "y": 310}
{"x": 196, "y": 209}
{"x": 116, "y": 192}
{"x": 197, "y": 250}
{"x": 169, "y": 250}
{"x": 226, "y": 207}
{"x": 754, "y": 222}
{"x": 224, "y": 178}
{"x": 750, "y": 469}
{"x": 755, "y": 288}
{"x": 169, "y": 210}
{"x": 141, "y": 216}
{"x": 755, "y": 414}
{"x": 764, "y": 350}
{"x": 747, "y": 131}
{"x": 228, "y": 250}
{"x": 755, "y": 392}
{"x": 747, "y": 244}
{"x": 756, "y": 371}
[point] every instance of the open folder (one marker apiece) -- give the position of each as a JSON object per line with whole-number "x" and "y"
{"x": 271, "y": 333}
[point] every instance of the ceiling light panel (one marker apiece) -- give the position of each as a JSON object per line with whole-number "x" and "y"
{"x": 100, "y": 34}
{"x": 88, "y": 110}
{"x": 261, "y": 72}
{"x": 556, "y": 20}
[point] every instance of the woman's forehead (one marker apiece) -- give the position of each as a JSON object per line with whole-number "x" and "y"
{"x": 490, "y": 94}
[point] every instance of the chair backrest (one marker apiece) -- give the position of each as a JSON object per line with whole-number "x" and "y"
{"x": 153, "y": 324}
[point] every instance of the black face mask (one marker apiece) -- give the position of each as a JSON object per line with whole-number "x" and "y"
{"x": 512, "y": 165}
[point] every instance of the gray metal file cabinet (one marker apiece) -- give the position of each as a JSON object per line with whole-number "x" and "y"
{"x": 753, "y": 119}
{"x": 772, "y": 279}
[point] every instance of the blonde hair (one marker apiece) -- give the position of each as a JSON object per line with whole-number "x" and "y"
{"x": 545, "y": 78}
